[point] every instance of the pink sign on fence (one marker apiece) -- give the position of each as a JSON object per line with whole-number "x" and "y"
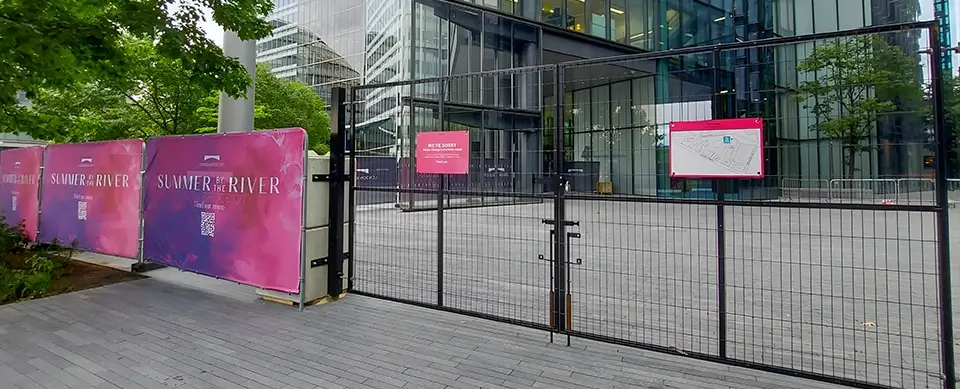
{"x": 20, "y": 187}
{"x": 91, "y": 196}
{"x": 443, "y": 152}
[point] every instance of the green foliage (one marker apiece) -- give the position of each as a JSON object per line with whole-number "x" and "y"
{"x": 13, "y": 239}
{"x": 288, "y": 104}
{"x": 951, "y": 106}
{"x": 279, "y": 103}
{"x": 58, "y": 44}
{"x": 28, "y": 272}
{"x": 155, "y": 97}
{"x": 854, "y": 82}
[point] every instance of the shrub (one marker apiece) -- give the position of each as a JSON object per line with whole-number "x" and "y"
{"x": 13, "y": 239}
{"x": 28, "y": 271}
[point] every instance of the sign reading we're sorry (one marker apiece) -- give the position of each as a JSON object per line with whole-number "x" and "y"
{"x": 443, "y": 152}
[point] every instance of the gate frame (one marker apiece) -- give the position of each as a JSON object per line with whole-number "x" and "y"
{"x": 941, "y": 207}
{"x": 352, "y": 103}
{"x": 560, "y": 301}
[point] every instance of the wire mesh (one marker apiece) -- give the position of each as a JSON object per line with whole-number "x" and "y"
{"x": 484, "y": 227}
{"x": 829, "y": 265}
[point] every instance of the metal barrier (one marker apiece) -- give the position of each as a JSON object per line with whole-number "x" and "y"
{"x": 868, "y": 190}
{"x": 816, "y": 289}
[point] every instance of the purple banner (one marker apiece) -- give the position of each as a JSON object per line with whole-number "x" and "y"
{"x": 228, "y": 206}
{"x": 377, "y": 172}
{"x": 20, "y": 187}
{"x": 91, "y": 196}
{"x": 486, "y": 174}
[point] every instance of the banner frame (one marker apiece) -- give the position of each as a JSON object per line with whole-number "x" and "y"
{"x": 143, "y": 195}
{"x": 303, "y": 222}
{"x": 303, "y": 200}
{"x": 138, "y": 257}
{"x": 40, "y": 185}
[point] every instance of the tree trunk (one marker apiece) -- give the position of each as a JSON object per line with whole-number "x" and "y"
{"x": 851, "y": 162}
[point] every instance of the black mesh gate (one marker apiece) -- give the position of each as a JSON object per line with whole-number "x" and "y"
{"x": 834, "y": 266}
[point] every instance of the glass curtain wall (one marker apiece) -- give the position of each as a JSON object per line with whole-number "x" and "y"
{"x": 646, "y": 24}
{"x": 449, "y": 39}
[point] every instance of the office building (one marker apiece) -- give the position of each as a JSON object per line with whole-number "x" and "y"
{"x": 616, "y": 116}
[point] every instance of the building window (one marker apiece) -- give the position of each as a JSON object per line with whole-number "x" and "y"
{"x": 576, "y": 15}
{"x": 552, "y": 12}
{"x": 598, "y": 18}
{"x": 507, "y": 6}
{"x": 641, "y": 28}
{"x": 618, "y": 21}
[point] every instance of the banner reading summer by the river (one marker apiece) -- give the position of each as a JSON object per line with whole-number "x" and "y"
{"x": 20, "y": 187}
{"x": 227, "y": 205}
{"x": 91, "y": 196}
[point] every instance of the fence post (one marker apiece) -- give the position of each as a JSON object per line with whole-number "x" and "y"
{"x": 943, "y": 215}
{"x": 337, "y": 179}
{"x": 559, "y": 217}
{"x": 440, "y": 195}
{"x": 352, "y": 201}
{"x": 720, "y": 186}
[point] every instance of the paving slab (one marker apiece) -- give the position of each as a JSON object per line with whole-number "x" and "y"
{"x": 179, "y": 330}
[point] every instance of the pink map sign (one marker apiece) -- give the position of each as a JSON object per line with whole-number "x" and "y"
{"x": 443, "y": 152}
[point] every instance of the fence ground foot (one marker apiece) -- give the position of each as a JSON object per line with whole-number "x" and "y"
{"x": 145, "y": 266}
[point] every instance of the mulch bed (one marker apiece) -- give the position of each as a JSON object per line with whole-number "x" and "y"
{"x": 79, "y": 275}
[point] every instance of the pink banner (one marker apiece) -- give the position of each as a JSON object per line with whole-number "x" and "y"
{"x": 228, "y": 206}
{"x": 91, "y": 196}
{"x": 20, "y": 187}
{"x": 443, "y": 152}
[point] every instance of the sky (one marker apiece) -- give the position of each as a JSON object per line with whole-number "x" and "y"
{"x": 213, "y": 30}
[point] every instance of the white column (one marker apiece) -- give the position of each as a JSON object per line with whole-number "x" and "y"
{"x": 236, "y": 115}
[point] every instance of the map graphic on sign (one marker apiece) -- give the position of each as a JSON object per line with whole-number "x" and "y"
{"x": 730, "y": 148}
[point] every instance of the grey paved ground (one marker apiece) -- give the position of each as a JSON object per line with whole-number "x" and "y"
{"x": 184, "y": 331}
{"x": 844, "y": 293}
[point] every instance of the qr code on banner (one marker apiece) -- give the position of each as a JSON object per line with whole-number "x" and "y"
{"x": 208, "y": 223}
{"x": 81, "y": 210}
{"x": 13, "y": 206}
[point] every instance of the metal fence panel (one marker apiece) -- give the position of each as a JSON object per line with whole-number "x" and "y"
{"x": 472, "y": 243}
{"x": 835, "y": 266}
{"x": 828, "y": 267}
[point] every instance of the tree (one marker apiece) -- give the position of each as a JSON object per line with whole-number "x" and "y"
{"x": 292, "y": 104}
{"x": 80, "y": 113}
{"x": 154, "y": 100}
{"x": 152, "y": 96}
{"x": 59, "y": 44}
{"x": 951, "y": 119}
{"x": 855, "y": 82}
{"x": 281, "y": 103}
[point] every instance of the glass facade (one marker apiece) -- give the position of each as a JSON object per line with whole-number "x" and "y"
{"x": 620, "y": 124}
{"x": 650, "y": 24}
{"x": 319, "y": 43}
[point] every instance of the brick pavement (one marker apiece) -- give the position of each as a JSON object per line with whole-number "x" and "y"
{"x": 179, "y": 330}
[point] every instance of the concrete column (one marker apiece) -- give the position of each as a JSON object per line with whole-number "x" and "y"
{"x": 529, "y": 142}
{"x": 236, "y": 115}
